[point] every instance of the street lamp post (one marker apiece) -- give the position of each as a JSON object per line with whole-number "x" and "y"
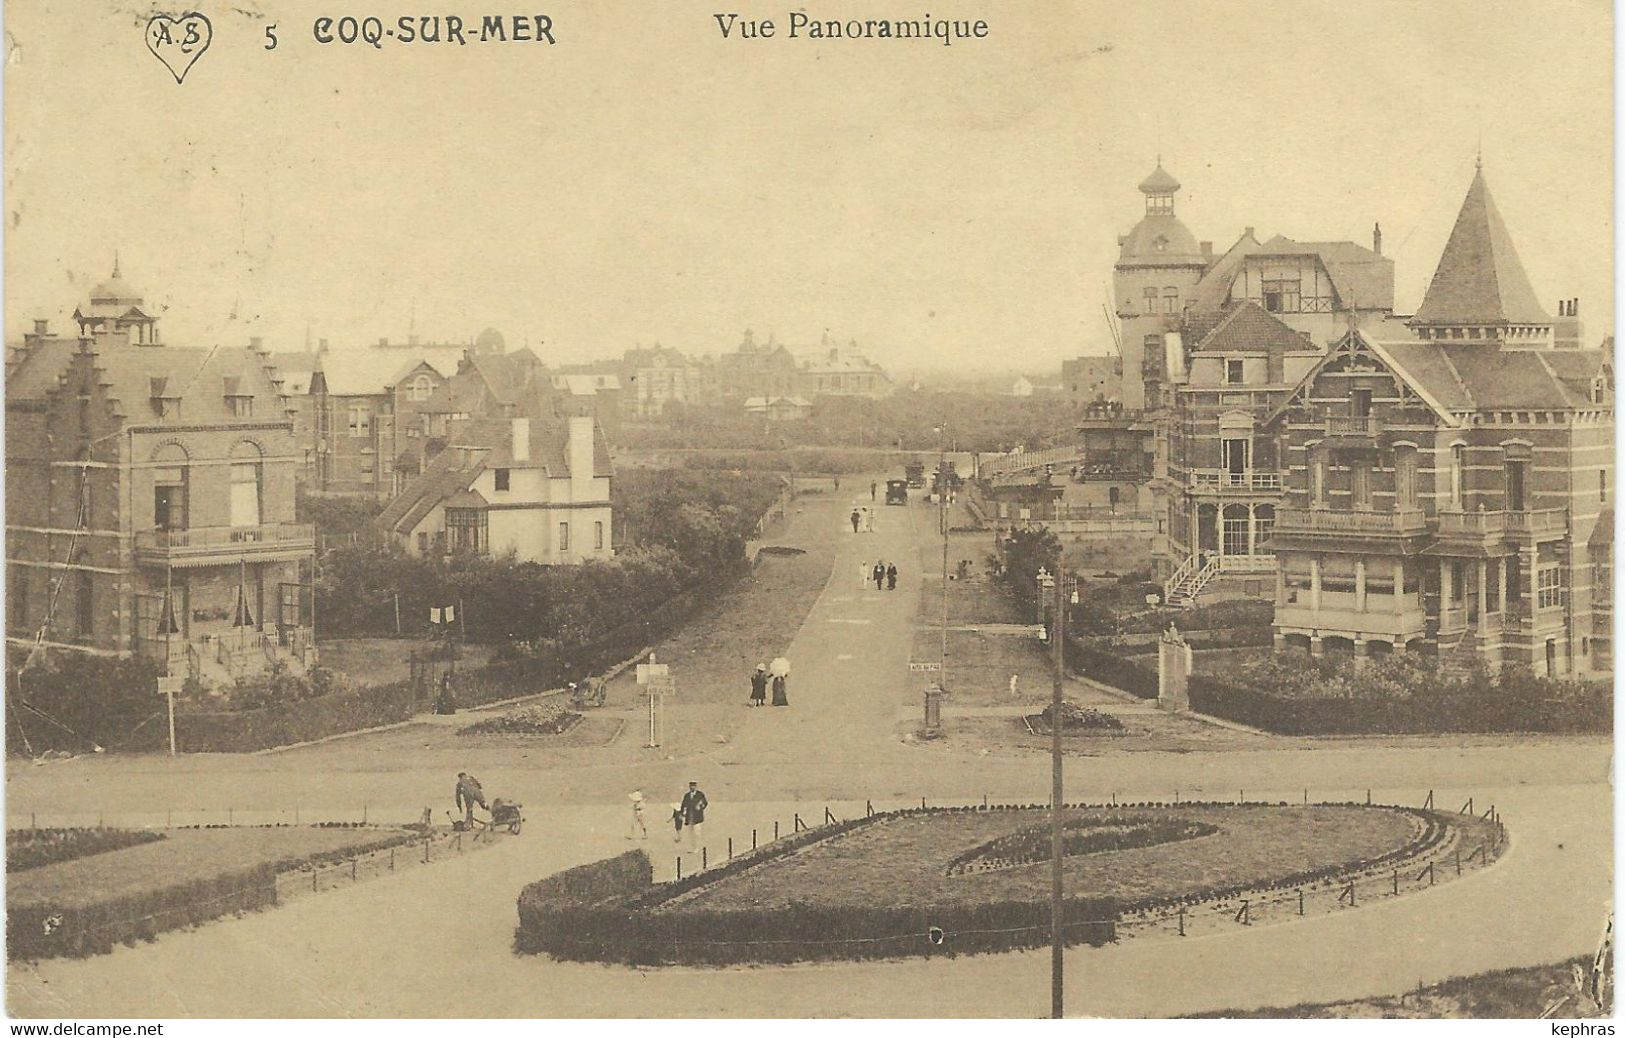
{"x": 1057, "y": 639}
{"x": 942, "y": 529}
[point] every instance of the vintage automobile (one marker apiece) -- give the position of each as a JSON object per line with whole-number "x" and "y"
{"x": 914, "y": 473}
{"x": 897, "y": 491}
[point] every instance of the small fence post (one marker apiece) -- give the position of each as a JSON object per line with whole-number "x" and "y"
{"x": 1300, "y": 901}
{"x": 1368, "y": 798}
{"x": 1114, "y": 798}
{"x": 1467, "y": 808}
{"x": 1306, "y": 798}
{"x": 1427, "y": 805}
{"x": 426, "y": 850}
{"x": 314, "y": 872}
{"x": 352, "y": 869}
{"x": 704, "y": 861}
{"x": 1176, "y": 796}
{"x": 795, "y": 822}
{"x": 922, "y": 803}
{"x": 984, "y": 801}
{"x": 753, "y": 839}
{"x": 679, "y": 866}
{"x": 33, "y": 819}
{"x": 1241, "y": 796}
{"x": 829, "y": 819}
{"x": 1244, "y": 917}
{"x": 868, "y": 808}
{"x": 730, "y": 848}
{"x": 1181, "y": 920}
{"x": 363, "y": 814}
{"x": 1458, "y": 859}
{"x": 392, "y": 859}
{"x": 1396, "y": 882}
{"x": 775, "y": 828}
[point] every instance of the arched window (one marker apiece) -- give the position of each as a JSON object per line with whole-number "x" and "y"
{"x": 169, "y": 487}
{"x": 246, "y": 476}
{"x": 420, "y": 388}
{"x": 1404, "y": 478}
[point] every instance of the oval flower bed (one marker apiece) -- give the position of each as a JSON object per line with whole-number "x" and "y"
{"x": 912, "y": 882}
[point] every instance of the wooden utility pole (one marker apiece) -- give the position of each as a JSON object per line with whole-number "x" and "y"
{"x": 1058, "y": 651}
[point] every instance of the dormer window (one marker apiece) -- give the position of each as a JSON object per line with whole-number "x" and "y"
{"x": 502, "y": 479}
{"x": 241, "y": 406}
{"x": 1160, "y": 243}
{"x": 1234, "y": 371}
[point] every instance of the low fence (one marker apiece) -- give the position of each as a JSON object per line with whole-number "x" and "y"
{"x": 600, "y": 910}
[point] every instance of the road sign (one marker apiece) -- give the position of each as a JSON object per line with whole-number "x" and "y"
{"x": 918, "y": 667}
{"x": 650, "y": 673}
{"x": 171, "y": 686}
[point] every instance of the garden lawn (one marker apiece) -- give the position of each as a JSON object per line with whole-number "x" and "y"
{"x": 188, "y": 855}
{"x": 980, "y": 664}
{"x": 713, "y": 654}
{"x": 383, "y": 661}
{"x": 977, "y": 600}
{"x": 905, "y": 860}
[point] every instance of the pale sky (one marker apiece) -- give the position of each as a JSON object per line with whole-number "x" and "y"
{"x": 647, "y": 180}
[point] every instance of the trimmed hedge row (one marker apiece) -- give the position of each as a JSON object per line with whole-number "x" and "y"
{"x": 42, "y": 931}
{"x": 1488, "y": 710}
{"x": 609, "y": 912}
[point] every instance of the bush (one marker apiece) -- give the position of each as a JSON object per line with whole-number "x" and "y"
{"x": 74, "y": 701}
{"x": 1078, "y": 718}
{"x": 33, "y": 848}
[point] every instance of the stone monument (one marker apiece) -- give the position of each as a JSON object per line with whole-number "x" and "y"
{"x": 1173, "y": 671}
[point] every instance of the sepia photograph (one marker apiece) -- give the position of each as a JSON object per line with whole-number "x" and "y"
{"x": 646, "y": 510}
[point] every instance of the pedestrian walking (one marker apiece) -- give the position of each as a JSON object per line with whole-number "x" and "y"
{"x": 837, "y": 484}
{"x": 468, "y": 794}
{"x": 857, "y": 518}
{"x": 677, "y": 823}
{"x": 639, "y": 830}
{"x": 891, "y": 576}
{"x": 869, "y": 520}
{"x": 758, "y": 685}
{"x": 780, "y": 669}
{"x": 873, "y": 486}
{"x": 693, "y": 808}
{"x": 863, "y": 574}
{"x": 879, "y": 575}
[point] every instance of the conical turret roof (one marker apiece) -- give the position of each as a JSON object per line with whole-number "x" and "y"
{"x": 1479, "y": 280}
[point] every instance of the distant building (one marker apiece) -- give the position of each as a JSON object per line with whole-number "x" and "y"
{"x": 1022, "y": 387}
{"x": 150, "y": 499}
{"x": 849, "y": 373}
{"x": 656, "y": 378}
{"x": 779, "y": 408}
{"x": 538, "y": 489}
{"x": 594, "y": 393}
{"x": 1086, "y": 380}
{"x": 757, "y": 370}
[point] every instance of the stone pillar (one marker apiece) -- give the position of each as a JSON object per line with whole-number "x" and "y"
{"x": 1280, "y": 585}
{"x": 1399, "y": 587}
{"x": 1359, "y": 585}
{"x": 1173, "y": 673}
{"x": 1483, "y": 597}
{"x": 1359, "y": 652}
{"x": 1447, "y": 588}
{"x": 1314, "y": 584}
{"x": 1314, "y": 645}
{"x": 1252, "y": 527}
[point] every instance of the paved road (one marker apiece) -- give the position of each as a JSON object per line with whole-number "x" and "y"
{"x": 441, "y": 936}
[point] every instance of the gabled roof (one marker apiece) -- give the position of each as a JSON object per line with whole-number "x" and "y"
{"x": 374, "y": 371}
{"x": 1363, "y": 279}
{"x": 1248, "y": 326}
{"x": 446, "y": 473}
{"x": 1480, "y": 279}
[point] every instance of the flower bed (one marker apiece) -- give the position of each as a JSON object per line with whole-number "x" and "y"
{"x": 34, "y": 848}
{"x": 86, "y": 905}
{"x": 1078, "y": 836}
{"x": 896, "y": 884}
{"x": 542, "y": 719}
{"x": 1076, "y": 720}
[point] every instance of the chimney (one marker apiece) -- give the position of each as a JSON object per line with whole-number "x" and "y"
{"x": 521, "y": 439}
{"x": 39, "y": 326}
{"x": 1574, "y": 307}
{"x": 1248, "y": 233}
{"x": 580, "y": 448}
{"x": 1376, "y": 238}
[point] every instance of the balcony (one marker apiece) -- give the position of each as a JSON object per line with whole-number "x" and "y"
{"x": 225, "y": 545}
{"x": 1539, "y": 522}
{"x": 1218, "y": 480}
{"x": 1351, "y": 524}
{"x": 1365, "y": 427}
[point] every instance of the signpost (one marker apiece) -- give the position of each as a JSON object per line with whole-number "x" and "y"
{"x": 925, "y": 667}
{"x": 167, "y": 687}
{"x": 657, "y": 683}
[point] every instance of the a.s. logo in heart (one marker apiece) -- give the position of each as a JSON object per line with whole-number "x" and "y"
{"x": 178, "y": 41}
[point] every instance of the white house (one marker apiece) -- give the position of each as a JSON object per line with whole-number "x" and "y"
{"x": 539, "y": 489}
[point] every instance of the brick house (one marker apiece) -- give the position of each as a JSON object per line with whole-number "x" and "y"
{"x": 150, "y": 501}
{"x": 1451, "y": 492}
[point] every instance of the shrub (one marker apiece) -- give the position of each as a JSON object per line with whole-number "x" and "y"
{"x": 1078, "y": 718}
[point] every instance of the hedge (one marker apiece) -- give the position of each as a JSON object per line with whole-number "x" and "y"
{"x": 1488, "y": 710}
{"x": 36, "y": 848}
{"x": 40, "y": 931}
{"x": 609, "y": 911}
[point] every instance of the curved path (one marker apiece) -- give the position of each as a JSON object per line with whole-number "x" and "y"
{"x": 436, "y": 942}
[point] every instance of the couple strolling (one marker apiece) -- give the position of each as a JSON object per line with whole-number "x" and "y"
{"x": 762, "y": 677}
